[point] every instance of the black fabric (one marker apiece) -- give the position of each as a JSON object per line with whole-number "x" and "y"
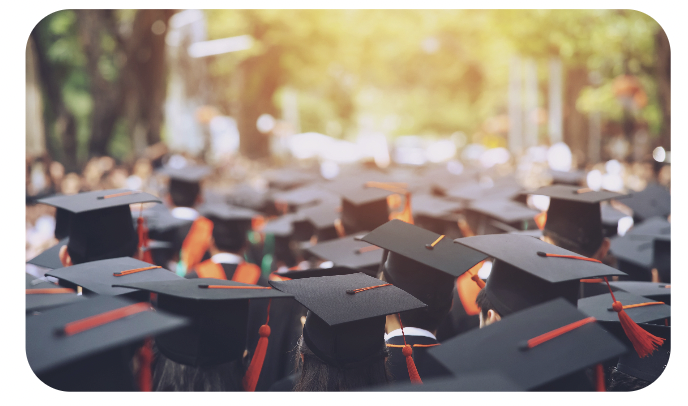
{"x": 189, "y": 289}
{"x": 183, "y": 193}
{"x": 483, "y": 382}
{"x": 506, "y": 211}
{"x": 578, "y": 224}
{"x": 654, "y": 200}
{"x": 662, "y": 259}
{"x": 230, "y": 235}
{"x": 63, "y": 219}
{"x": 346, "y": 252}
{"x": 364, "y": 216}
{"x": 316, "y": 272}
{"x": 47, "y": 351}
{"x": 411, "y": 241}
{"x": 427, "y": 366}
{"x": 498, "y": 347}
{"x": 44, "y": 301}
{"x": 98, "y": 276}
{"x": 657, "y": 291}
{"x": 50, "y": 258}
{"x": 102, "y": 234}
{"x": 457, "y": 321}
{"x": 600, "y": 307}
{"x": 89, "y": 201}
{"x": 286, "y": 384}
{"x": 652, "y": 366}
{"x": 521, "y": 252}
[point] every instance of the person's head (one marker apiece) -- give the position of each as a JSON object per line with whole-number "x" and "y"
{"x": 317, "y": 375}
{"x": 488, "y": 314}
{"x": 184, "y": 194}
{"x": 230, "y": 227}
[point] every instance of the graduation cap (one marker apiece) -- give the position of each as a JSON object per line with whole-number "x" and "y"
{"x": 476, "y": 191}
{"x": 243, "y": 195}
{"x": 345, "y": 323}
{"x": 528, "y": 271}
{"x": 349, "y": 252}
{"x": 304, "y": 196}
{"x": 634, "y": 256}
{"x": 42, "y": 295}
{"x": 317, "y": 272}
{"x": 100, "y": 276}
{"x": 188, "y": 174}
{"x": 638, "y": 308}
{"x": 480, "y": 382}
{"x": 230, "y": 225}
{"x": 574, "y": 218}
{"x": 77, "y": 347}
{"x": 184, "y": 186}
{"x": 510, "y": 213}
{"x": 662, "y": 259}
{"x": 50, "y": 258}
{"x": 423, "y": 263}
{"x": 281, "y": 226}
{"x": 322, "y": 218}
{"x": 101, "y": 226}
{"x": 660, "y": 292}
{"x": 653, "y": 201}
{"x": 288, "y": 178}
{"x": 364, "y": 208}
{"x": 610, "y": 219}
{"x": 432, "y": 206}
{"x": 218, "y": 310}
{"x": 574, "y": 178}
{"x": 62, "y": 221}
{"x": 655, "y": 228}
{"x": 543, "y": 345}
{"x": 650, "y": 367}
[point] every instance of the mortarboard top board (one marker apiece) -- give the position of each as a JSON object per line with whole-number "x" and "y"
{"x": 317, "y": 272}
{"x": 243, "y": 195}
{"x": 218, "y": 310}
{"x": 282, "y": 226}
{"x": 654, "y": 200}
{"x": 47, "y": 349}
{"x": 650, "y": 367}
{"x": 99, "y": 276}
{"x": 189, "y": 173}
{"x": 345, "y": 323}
{"x": 503, "y": 347}
{"x": 287, "y": 178}
{"x": 475, "y": 191}
{"x": 359, "y": 196}
{"x": 42, "y": 295}
{"x": 304, "y": 196}
{"x": 634, "y": 250}
{"x": 223, "y": 211}
{"x": 576, "y": 194}
{"x": 49, "y": 258}
{"x": 652, "y": 290}
{"x": 98, "y": 200}
{"x": 480, "y": 382}
{"x": 600, "y": 307}
{"x": 655, "y": 228}
{"x": 503, "y": 210}
{"x": 322, "y": 215}
{"x": 412, "y": 241}
{"x": 610, "y": 215}
{"x": 432, "y": 206}
{"x": 521, "y": 277}
{"x": 535, "y": 233}
{"x": 349, "y": 252}
{"x": 364, "y": 208}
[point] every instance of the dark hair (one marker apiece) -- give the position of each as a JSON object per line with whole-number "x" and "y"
{"x": 170, "y": 376}
{"x": 315, "y": 375}
{"x": 586, "y": 249}
{"x": 184, "y": 194}
{"x": 622, "y": 382}
{"x": 230, "y": 236}
{"x": 484, "y": 303}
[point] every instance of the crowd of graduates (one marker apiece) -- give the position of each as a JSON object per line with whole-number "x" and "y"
{"x": 174, "y": 276}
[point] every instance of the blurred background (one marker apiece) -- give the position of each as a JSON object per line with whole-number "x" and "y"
{"x": 111, "y": 94}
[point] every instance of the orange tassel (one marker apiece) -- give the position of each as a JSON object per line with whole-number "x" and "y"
{"x": 475, "y": 278}
{"x": 145, "y": 360}
{"x": 143, "y": 253}
{"x": 541, "y": 220}
{"x": 468, "y": 289}
{"x": 599, "y": 374}
{"x": 408, "y": 353}
{"x": 253, "y": 373}
{"x": 643, "y": 342}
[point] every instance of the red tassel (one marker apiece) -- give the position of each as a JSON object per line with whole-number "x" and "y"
{"x": 475, "y": 278}
{"x": 253, "y": 373}
{"x": 143, "y": 253}
{"x": 408, "y": 353}
{"x": 599, "y": 374}
{"x": 643, "y": 342}
{"x": 145, "y": 360}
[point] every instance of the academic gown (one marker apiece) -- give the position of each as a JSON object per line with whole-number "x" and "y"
{"x": 457, "y": 321}
{"x": 427, "y": 366}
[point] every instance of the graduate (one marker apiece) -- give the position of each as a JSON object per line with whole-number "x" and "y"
{"x": 212, "y": 353}
{"x": 101, "y": 225}
{"x": 342, "y": 347}
{"x": 425, "y": 265}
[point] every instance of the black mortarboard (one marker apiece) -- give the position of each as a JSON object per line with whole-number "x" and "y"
{"x": 662, "y": 259}
{"x": 432, "y": 206}
{"x": 655, "y": 228}
{"x": 512, "y": 213}
{"x": 610, "y": 219}
{"x": 100, "y": 276}
{"x": 185, "y": 183}
{"x": 574, "y": 216}
{"x": 600, "y": 307}
{"x": 188, "y": 174}
{"x": 345, "y": 324}
{"x": 535, "y": 233}
{"x": 67, "y": 352}
{"x": 219, "y": 317}
{"x": 521, "y": 277}
{"x": 50, "y": 258}
{"x": 654, "y": 200}
{"x": 349, "y": 252}
{"x": 650, "y": 367}
{"x": 474, "y": 191}
{"x": 322, "y": 218}
{"x": 364, "y": 208}
{"x": 282, "y": 226}
{"x": 507, "y": 347}
{"x": 480, "y": 382}
{"x": 317, "y": 272}
{"x": 304, "y": 196}
{"x": 42, "y": 295}
{"x": 633, "y": 256}
{"x": 287, "y": 178}
{"x": 656, "y": 291}
{"x": 101, "y": 225}
{"x": 62, "y": 222}
{"x": 243, "y": 195}
{"x": 230, "y": 225}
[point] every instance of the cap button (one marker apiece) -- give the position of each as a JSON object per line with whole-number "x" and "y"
{"x": 429, "y": 246}
{"x": 541, "y": 254}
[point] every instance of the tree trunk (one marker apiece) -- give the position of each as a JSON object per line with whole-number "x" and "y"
{"x": 664, "y": 86}
{"x": 575, "y": 122}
